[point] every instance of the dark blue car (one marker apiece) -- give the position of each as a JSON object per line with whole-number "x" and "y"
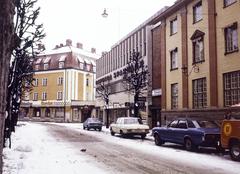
{"x": 190, "y": 133}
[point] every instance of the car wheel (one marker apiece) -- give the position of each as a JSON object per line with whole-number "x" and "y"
{"x": 100, "y": 129}
{"x": 88, "y": 128}
{"x": 121, "y": 133}
{"x": 112, "y": 133}
{"x": 143, "y": 136}
{"x": 235, "y": 151}
{"x": 189, "y": 146}
{"x": 157, "y": 140}
{"x": 84, "y": 127}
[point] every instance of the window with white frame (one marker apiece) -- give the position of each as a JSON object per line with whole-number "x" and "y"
{"x": 37, "y": 67}
{"x": 199, "y": 93}
{"x": 231, "y": 38}
{"x": 228, "y": 2}
{"x": 231, "y": 82}
{"x": 197, "y": 12}
{"x": 174, "y": 96}
{"x": 44, "y": 82}
{"x": 59, "y": 95}
{"x": 173, "y": 26}
{"x": 45, "y": 66}
{"x": 35, "y": 96}
{"x": 60, "y": 64}
{"x": 174, "y": 57}
{"x": 60, "y": 80}
{"x": 44, "y": 96}
{"x": 35, "y": 82}
{"x": 81, "y": 65}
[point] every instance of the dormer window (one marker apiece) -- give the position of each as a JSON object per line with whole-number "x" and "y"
{"x": 61, "y": 61}
{"x": 45, "y": 66}
{"x": 46, "y": 63}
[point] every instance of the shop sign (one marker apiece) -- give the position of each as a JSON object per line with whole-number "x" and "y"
{"x": 156, "y": 92}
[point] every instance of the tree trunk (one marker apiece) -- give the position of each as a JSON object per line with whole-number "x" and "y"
{"x": 136, "y": 105}
{"x": 6, "y": 35}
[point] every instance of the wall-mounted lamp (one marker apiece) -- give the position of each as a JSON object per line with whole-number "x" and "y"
{"x": 104, "y": 14}
{"x": 195, "y": 68}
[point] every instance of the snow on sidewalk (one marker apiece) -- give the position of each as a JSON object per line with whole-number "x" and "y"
{"x": 34, "y": 151}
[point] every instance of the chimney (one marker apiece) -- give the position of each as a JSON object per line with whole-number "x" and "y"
{"x": 93, "y": 50}
{"x": 104, "y": 52}
{"x": 68, "y": 42}
{"x": 79, "y": 45}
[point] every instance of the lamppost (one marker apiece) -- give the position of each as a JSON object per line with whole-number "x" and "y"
{"x": 107, "y": 110}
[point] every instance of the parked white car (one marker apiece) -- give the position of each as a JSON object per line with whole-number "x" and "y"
{"x": 129, "y": 126}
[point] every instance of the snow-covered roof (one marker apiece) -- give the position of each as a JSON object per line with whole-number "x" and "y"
{"x": 80, "y": 59}
{"x": 47, "y": 59}
{"x": 87, "y": 61}
{"x": 62, "y": 58}
{"x": 93, "y": 62}
{"x": 38, "y": 61}
{"x": 68, "y": 49}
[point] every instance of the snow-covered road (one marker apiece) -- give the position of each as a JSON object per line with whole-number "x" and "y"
{"x": 42, "y": 148}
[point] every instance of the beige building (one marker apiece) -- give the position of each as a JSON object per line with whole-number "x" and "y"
{"x": 199, "y": 55}
{"x": 64, "y": 85}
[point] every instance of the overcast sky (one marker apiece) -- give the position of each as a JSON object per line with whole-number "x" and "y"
{"x": 81, "y": 20}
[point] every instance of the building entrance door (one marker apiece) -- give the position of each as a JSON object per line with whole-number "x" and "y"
{"x": 156, "y": 117}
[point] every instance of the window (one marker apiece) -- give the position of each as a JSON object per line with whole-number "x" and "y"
{"x": 35, "y": 96}
{"x": 231, "y": 38}
{"x": 228, "y": 2}
{"x": 88, "y": 67}
{"x": 59, "y": 95}
{"x": 44, "y": 81}
{"x": 44, "y": 96}
{"x": 94, "y": 69}
{"x": 45, "y": 66}
{"x": 60, "y": 80}
{"x": 35, "y": 82}
{"x": 231, "y": 88}
{"x": 174, "y": 96}
{"x": 61, "y": 65}
{"x": 173, "y": 26}
{"x": 87, "y": 82}
{"x": 198, "y": 51}
{"x": 81, "y": 65}
{"x": 182, "y": 124}
{"x": 199, "y": 93}
{"x": 174, "y": 64}
{"x": 173, "y": 124}
{"x": 197, "y": 12}
{"x": 37, "y": 67}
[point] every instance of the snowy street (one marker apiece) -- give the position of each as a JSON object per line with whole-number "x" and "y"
{"x": 44, "y": 148}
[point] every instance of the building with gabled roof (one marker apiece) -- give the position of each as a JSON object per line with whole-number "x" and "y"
{"x": 63, "y": 88}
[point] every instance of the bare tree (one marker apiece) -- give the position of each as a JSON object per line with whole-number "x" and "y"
{"x": 103, "y": 91}
{"x": 27, "y": 44}
{"x": 135, "y": 79}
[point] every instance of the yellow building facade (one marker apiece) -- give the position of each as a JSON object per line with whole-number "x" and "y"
{"x": 63, "y": 89}
{"x": 198, "y": 47}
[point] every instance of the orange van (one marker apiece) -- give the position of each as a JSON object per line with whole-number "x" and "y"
{"x": 230, "y": 137}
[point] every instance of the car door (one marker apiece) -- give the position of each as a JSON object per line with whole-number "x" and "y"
{"x": 168, "y": 133}
{"x": 180, "y": 131}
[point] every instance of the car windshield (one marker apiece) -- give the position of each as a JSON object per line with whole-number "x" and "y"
{"x": 207, "y": 124}
{"x": 94, "y": 120}
{"x": 132, "y": 121}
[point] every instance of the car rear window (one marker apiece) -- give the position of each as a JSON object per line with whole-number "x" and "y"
{"x": 207, "y": 124}
{"x": 132, "y": 121}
